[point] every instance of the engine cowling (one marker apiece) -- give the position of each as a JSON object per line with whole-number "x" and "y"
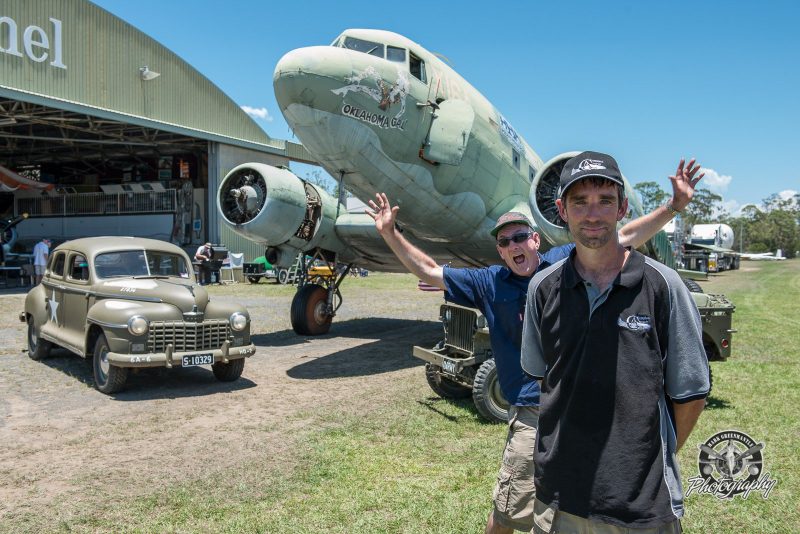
{"x": 273, "y": 207}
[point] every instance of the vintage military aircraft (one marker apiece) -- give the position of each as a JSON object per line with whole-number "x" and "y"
{"x": 383, "y": 114}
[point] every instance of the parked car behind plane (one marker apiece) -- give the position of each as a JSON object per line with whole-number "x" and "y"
{"x": 131, "y": 302}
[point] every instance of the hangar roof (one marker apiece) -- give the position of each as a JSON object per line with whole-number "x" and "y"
{"x": 74, "y": 75}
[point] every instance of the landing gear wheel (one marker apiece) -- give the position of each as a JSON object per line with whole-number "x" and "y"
{"x": 309, "y": 311}
{"x": 107, "y": 378}
{"x": 443, "y": 386}
{"x": 693, "y": 286}
{"x": 38, "y": 348}
{"x": 283, "y": 276}
{"x": 228, "y": 372}
{"x": 254, "y": 279}
{"x": 486, "y": 394}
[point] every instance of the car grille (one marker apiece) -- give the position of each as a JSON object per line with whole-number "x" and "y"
{"x": 460, "y": 329}
{"x": 185, "y": 337}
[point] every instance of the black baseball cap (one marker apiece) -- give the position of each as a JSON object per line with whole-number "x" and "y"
{"x": 511, "y": 217}
{"x": 588, "y": 164}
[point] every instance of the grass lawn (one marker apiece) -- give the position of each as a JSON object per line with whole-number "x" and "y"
{"x": 419, "y": 464}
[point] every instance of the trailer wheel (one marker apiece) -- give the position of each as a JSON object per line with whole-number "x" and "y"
{"x": 254, "y": 279}
{"x": 283, "y": 276}
{"x": 489, "y": 400}
{"x": 443, "y": 386}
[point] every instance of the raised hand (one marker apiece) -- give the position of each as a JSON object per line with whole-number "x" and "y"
{"x": 383, "y": 213}
{"x": 684, "y": 183}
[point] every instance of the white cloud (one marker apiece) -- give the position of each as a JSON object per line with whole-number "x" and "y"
{"x": 258, "y": 113}
{"x": 731, "y": 206}
{"x": 714, "y": 181}
{"x": 787, "y": 194}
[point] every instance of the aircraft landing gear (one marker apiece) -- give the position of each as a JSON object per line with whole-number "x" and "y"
{"x": 318, "y": 296}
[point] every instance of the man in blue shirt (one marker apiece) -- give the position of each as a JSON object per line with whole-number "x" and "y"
{"x": 499, "y": 292}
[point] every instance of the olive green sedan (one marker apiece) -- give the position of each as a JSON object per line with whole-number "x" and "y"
{"x": 132, "y": 302}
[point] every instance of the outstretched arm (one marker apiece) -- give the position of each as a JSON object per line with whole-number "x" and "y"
{"x": 416, "y": 261}
{"x": 638, "y": 231}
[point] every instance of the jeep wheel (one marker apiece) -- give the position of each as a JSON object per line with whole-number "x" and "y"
{"x": 443, "y": 386}
{"x": 486, "y": 394}
{"x": 283, "y": 276}
{"x": 38, "y": 348}
{"x": 309, "y": 313}
{"x": 228, "y": 372}
{"x": 107, "y": 378}
{"x": 693, "y": 286}
{"x": 254, "y": 279}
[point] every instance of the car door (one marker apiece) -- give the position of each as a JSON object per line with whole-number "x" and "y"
{"x": 53, "y": 284}
{"x": 77, "y": 286}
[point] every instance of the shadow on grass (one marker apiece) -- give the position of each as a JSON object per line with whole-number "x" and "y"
{"x": 149, "y": 383}
{"x": 466, "y": 404}
{"x": 390, "y": 352}
{"x": 365, "y": 328}
{"x": 715, "y": 403}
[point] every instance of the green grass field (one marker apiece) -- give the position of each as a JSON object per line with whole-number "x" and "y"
{"x": 420, "y": 464}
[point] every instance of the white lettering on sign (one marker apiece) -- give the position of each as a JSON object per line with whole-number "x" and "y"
{"x": 35, "y": 42}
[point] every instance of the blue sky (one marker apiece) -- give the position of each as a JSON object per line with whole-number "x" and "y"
{"x": 648, "y": 82}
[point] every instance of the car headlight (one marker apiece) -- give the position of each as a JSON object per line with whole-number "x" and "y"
{"x": 137, "y": 325}
{"x": 238, "y": 321}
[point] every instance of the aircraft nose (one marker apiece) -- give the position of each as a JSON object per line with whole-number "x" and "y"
{"x": 302, "y": 73}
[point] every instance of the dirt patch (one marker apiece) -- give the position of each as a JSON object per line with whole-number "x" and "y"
{"x": 65, "y": 444}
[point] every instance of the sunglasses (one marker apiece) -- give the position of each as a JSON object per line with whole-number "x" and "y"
{"x": 521, "y": 237}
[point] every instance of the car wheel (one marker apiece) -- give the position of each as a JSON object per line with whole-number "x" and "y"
{"x": 283, "y": 276}
{"x": 38, "y": 348}
{"x": 693, "y": 286}
{"x": 489, "y": 400}
{"x": 443, "y": 386}
{"x": 107, "y": 378}
{"x": 308, "y": 313}
{"x": 228, "y": 372}
{"x": 254, "y": 279}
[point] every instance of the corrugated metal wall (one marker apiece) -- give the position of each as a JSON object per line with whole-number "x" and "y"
{"x": 93, "y": 59}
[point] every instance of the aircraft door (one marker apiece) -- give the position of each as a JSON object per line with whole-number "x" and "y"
{"x": 450, "y": 127}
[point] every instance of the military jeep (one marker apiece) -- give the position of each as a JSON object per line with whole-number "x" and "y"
{"x": 462, "y": 365}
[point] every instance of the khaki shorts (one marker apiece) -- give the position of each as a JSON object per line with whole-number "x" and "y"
{"x": 514, "y": 493}
{"x": 547, "y": 520}
{"x": 38, "y": 270}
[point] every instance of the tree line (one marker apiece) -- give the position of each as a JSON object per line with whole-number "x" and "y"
{"x": 772, "y": 225}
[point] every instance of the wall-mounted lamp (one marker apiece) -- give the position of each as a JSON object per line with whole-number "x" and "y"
{"x": 146, "y": 74}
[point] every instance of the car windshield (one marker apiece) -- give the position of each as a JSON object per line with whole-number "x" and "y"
{"x": 140, "y": 263}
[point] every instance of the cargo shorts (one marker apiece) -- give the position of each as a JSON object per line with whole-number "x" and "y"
{"x": 514, "y": 492}
{"x": 548, "y": 520}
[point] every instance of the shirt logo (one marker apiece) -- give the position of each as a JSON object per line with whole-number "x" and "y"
{"x": 635, "y": 323}
{"x": 588, "y": 165}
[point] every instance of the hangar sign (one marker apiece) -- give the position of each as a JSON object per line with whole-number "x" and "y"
{"x": 34, "y": 41}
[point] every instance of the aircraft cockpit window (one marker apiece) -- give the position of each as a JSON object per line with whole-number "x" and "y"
{"x": 360, "y": 45}
{"x": 395, "y": 54}
{"x": 417, "y": 67}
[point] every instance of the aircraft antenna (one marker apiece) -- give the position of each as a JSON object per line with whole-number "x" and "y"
{"x": 444, "y": 58}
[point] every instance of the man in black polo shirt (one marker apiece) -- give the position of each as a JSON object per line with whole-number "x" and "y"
{"x": 616, "y": 341}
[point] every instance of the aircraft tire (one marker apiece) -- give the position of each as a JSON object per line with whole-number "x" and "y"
{"x": 486, "y": 394}
{"x": 308, "y": 311}
{"x": 693, "y": 286}
{"x": 443, "y": 386}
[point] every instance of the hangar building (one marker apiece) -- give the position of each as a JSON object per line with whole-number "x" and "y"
{"x": 103, "y": 131}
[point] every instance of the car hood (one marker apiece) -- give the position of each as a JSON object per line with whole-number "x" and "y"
{"x": 178, "y": 292}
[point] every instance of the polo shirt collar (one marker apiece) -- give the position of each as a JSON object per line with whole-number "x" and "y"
{"x": 631, "y": 275}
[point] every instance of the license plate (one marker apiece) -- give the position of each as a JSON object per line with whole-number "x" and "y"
{"x": 198, "y": 359}
{"x": 449, "y": 366}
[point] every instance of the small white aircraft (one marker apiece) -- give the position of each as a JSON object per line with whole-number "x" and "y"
{"x": 764, "y": 256}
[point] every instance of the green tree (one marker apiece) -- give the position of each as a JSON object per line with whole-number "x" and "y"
{"x": 705, "y": 207}
{"x": 651, "y": 194}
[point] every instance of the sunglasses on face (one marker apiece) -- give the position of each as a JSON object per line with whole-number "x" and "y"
{"x": 521, "y": 237}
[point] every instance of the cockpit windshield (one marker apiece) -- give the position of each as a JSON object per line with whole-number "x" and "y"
{"x": 360, "y": 45}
